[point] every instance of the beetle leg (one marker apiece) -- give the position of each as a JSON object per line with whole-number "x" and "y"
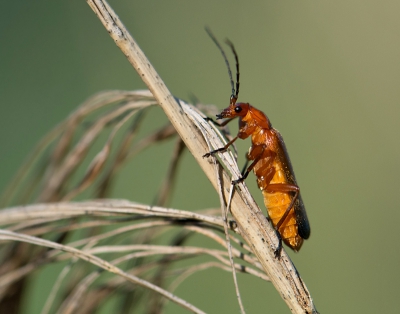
{"x": 245, "y": 172}
{"x": 278, "y": 249}
{"x": 222, "y": 149}
{"x": 245, "y": 165}
{"x": 220, "y": 124}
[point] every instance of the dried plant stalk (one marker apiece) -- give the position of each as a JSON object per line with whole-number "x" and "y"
{"x": 252, "y": 223}
{"x": 9, "y": 235}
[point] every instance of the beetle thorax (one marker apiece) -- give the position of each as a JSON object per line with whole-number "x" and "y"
{"x": 261, "y": 136}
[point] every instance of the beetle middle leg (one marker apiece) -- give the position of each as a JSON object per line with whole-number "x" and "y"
{"x": 245, "y": 172}
{"x": 256, "y": 154}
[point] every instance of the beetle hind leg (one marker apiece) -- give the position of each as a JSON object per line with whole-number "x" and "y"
{"x": 278, "y": 249}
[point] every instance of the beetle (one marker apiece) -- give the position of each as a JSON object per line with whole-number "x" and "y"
{"x": 270, "y": 163}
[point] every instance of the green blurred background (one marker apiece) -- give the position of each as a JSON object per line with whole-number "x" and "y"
{"x": 326, "y": 73}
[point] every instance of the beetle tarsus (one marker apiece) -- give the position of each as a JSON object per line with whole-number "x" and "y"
{"x": 278, "y": 250}
{"x": 213, "y": 152}
{"x": 240, "y": 180}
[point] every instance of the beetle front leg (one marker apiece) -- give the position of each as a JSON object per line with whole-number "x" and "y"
{"x": 222, "y": 149}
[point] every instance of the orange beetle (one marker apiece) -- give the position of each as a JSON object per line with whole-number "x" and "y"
{"x": 271, "y": 165}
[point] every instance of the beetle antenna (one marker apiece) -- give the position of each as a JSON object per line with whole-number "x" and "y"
{"x": 230, "y": 44}
{"x": 234, "y": 94}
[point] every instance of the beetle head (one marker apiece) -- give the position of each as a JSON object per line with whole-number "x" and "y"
{"x": 234, "y": 110}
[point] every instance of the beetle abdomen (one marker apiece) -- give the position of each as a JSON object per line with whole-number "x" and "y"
{"x": 277, "y": 204}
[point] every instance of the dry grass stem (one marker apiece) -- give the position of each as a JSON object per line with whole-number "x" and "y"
{"x": 91, "y": 246}
{"x": 224, "y": 213}
{"x": 12, "y": 236}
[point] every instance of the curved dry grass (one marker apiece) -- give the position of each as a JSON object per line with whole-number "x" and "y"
{"x": 109, "y": 227}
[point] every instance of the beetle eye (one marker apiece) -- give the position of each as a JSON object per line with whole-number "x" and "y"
{"x": 238, "y": 109}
